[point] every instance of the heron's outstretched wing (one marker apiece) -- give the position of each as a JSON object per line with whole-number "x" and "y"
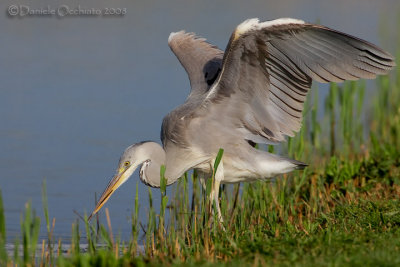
{"x": 201, "y": 60}
{"x": 268, "y": 68}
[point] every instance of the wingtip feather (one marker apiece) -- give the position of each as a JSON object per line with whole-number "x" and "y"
{"x": 174, "y": 34}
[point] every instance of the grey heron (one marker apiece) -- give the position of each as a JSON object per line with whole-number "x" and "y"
{"x": 254, "y": 92}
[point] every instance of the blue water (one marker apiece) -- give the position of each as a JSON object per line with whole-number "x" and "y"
{"x": 75, "y": 91}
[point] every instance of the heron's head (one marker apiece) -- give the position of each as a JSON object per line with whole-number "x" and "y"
{"x": 132, "y": 157}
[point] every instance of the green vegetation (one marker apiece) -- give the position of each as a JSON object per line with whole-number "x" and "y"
{"x": 343, "y": 210}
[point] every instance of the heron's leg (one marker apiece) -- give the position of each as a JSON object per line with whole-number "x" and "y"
{"x": 217, "y": 184}
{"x": 219, "y": 176}
{"x": 202, "y": 179}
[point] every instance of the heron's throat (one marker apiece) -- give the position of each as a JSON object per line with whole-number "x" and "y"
{"x": 154, "y": 156}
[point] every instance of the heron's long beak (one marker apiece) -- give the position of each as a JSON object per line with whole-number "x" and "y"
{"x": 121, "y": 176}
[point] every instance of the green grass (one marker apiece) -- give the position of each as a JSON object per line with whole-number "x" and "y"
{"x": 343, "y": 210}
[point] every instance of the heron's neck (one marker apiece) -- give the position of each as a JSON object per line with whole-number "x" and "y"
{"x": 153, "y": 156}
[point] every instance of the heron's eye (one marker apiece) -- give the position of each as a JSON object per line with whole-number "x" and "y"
{"x": 127, "y": 163}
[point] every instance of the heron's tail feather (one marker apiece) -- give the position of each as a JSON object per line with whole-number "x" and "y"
{"x": 271, "y": 165}
{"x": 299, "y": 165}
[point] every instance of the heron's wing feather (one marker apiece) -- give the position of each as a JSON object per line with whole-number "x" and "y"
{"x": 201, "y": 60}
{"x": 268, "y": 69}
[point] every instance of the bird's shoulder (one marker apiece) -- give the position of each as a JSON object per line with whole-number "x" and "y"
{"x": 175, "y": 124}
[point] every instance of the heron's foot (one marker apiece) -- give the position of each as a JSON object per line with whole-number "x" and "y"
{"x": 220, "y": 218}
{"x": 215, "y": 218}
